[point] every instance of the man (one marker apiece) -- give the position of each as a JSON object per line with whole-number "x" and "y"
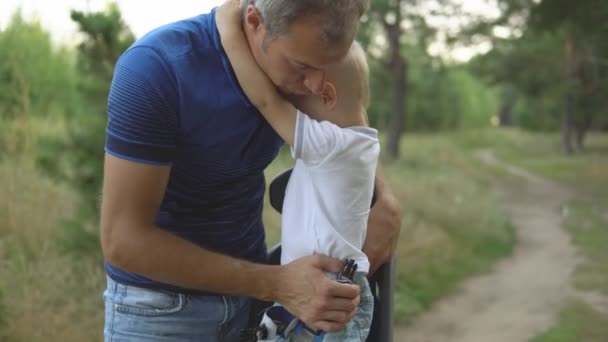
{"x": 183, "y": 190}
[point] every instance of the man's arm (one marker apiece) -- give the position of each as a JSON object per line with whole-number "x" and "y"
{"x": 383, "y": 226}
{"x": 279, "y": 113}
{"x": 132, "y": 193}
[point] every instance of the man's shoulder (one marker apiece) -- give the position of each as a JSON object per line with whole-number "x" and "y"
{"x": 177, "y": 40}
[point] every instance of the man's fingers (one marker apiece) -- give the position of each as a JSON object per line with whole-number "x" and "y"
{"x": 329, "y": 326}
{"x": 348, "y": 291}
{"x": 342, "y": 304}
{"x": 328, "y": 264}
{"x": 338, "y": 316}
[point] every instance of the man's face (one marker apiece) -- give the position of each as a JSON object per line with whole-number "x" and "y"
{"x": 295, "y": 62}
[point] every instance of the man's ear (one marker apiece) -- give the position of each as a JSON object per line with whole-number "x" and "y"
{"x": 253, "y": 19}
{"x": 330, "y": 97}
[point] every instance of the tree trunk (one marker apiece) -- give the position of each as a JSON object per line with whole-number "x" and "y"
{"x": 581, "y": 130}
{"x": 398, "y": 69}
{"x": 580, "y": 139}
{"x": 568, "y": 104}
{"x": 398, "y": 114}
{"x": 505, "y": 115}
{"x": 566, "y": 126}
{"x": 508, "y": 102}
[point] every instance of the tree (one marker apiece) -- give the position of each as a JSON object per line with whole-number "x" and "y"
{"x": 557, "y": 64}
{"x": 394, "y": 32}
{"x": 36, "y": 78}
{"x": 385, "y": 18}
{"x": 106, "y": 36}
{"x": 529, "y": 75}
{"x": 583, "y": 28}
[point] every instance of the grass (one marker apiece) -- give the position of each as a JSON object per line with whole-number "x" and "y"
{"x": 578, "y": 322}
{"x": 585, "y": 217}
{"x": 588, "y": 222}
{"x": 451, "y": 225}
{"x": 451, "y": 229}
{"x": 540, "y": 153}
{"x": 44, "y": 294}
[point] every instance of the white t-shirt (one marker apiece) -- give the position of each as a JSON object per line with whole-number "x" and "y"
{"x": 328, "y": 197}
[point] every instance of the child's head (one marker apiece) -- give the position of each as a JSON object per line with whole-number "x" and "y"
{"x": 345, "y": 96}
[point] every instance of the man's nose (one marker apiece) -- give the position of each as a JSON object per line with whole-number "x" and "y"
{"x": 314, "y": 81}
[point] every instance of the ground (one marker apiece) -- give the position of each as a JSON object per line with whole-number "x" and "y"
{"x": 524, "y": 293}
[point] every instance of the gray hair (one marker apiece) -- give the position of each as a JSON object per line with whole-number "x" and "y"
{"x": 339, "y": 18}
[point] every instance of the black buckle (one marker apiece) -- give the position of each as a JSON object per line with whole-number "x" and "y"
{"x": 348, "y": 272}
{"x": 254, "y": 334}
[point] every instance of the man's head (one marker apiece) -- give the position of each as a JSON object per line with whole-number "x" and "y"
{"x": 344, "y": 97}
{"x": 294, "y": 41}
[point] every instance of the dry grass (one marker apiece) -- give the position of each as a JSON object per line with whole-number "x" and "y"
{"x": 451, "y": 229}
{"x": 44, "y": 295}
{"x": 451, "y": 225}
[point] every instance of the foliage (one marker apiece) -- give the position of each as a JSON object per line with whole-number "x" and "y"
{"x": 106, "y": 37}
{"x": 563, "y": 43}
{"x": 36, "y": 78}
{"x": 438, "y": 96}
{"x": 441, "y": 97}
{"x": 39, "y": 79}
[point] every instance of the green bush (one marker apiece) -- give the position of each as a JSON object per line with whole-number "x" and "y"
{"x": 36, "y": 78}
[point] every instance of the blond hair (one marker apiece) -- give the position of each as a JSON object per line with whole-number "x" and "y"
{"x": 350, "y": 76}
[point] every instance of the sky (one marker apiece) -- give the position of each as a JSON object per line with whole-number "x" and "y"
{"x": 142, "y": 16}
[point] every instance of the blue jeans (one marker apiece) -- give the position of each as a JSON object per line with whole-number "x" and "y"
{"x": 138, "y": 314}
{"x": 357, "y": 329}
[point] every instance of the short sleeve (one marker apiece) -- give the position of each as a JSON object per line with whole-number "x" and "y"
{"x": 314, "y": 140}
{"x": 142, "y": 115}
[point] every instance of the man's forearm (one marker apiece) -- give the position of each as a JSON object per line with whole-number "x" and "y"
{"x": 383, "y": 225}
{"x": 379, "y": 181}
{"x": 260, "y": 90}
{"x": 165, "y": 257}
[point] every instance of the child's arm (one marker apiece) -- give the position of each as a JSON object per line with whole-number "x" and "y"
{"x": 279, "y": 113}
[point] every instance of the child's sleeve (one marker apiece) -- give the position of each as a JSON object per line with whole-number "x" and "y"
{"x": 314, "y": 141}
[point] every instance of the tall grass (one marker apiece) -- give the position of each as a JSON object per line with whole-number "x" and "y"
{"x": 451, "y": 227}
{"x": 45, "y": 295}
{"x": 578, "y": 322}
{"x": 540, "y": 153}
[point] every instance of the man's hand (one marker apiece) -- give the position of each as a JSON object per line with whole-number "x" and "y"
{"x": 320, "y": 302}
{"x": 383, "y": 227}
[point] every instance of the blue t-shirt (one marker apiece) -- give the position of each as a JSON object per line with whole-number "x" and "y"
{"x": 175, "y": 100}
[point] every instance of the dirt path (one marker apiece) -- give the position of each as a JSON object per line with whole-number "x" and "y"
{"x": 521, "y": 297}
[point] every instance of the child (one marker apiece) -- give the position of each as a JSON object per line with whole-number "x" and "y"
{"x": 328, "y": 197}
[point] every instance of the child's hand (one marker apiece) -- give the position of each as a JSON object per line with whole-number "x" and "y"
{"x": 231, "y": 11}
